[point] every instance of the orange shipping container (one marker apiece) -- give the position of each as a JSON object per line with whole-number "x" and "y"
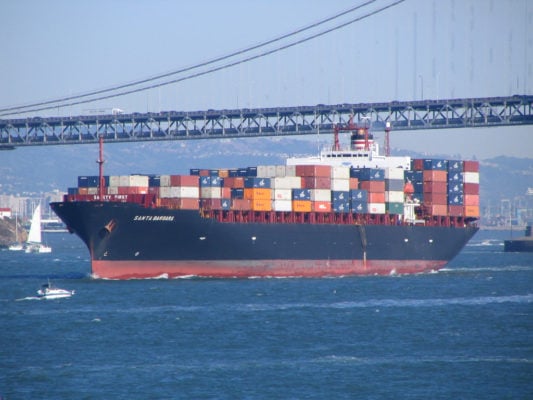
{"x": 471, "y": 211}
{"x": 301, "y": 205}
{"x": 354, "y": 183}
{"x": 257, "y": 194}
{"x": 435, "y": 176}
{"x": 321, "y": 206}
{"x": 262, "y": 205}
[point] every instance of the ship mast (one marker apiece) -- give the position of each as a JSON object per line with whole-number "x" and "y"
{"x": 100, "y": 161}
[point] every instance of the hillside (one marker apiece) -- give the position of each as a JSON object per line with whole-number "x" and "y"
{"x": 37, "y": 170}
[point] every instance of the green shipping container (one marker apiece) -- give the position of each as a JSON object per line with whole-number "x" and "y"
{"x": 394, "y": 208}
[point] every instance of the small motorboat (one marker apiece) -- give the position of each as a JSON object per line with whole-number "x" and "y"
{"x": 47, "y": 291}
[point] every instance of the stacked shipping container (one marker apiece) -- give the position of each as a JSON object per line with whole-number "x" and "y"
{"x": 443, "y": 187}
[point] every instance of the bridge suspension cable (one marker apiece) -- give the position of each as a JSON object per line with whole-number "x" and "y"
{"x": 82, "y": 98}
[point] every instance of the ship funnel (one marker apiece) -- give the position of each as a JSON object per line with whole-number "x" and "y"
{"x": 361, "y": 139}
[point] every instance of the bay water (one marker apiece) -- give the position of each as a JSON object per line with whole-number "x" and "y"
{"x": 465, "y": 332}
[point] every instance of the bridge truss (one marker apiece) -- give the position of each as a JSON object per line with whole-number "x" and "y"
{"x": 281, "y": 121}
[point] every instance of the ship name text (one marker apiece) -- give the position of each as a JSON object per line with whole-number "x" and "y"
{"x": 154, "y": 218}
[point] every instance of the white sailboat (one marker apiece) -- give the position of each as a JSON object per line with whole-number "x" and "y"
{"x": 34, "y": 243}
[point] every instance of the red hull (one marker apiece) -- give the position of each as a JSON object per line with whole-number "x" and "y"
{"x": 259, "y": 268}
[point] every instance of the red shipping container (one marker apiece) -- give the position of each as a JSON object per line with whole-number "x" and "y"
{"x": 435, "y": 187}
{"x": 376, "y": 197}
{"x": 241, "y": 204}
{"x": 154, "y": 190}
{"x": 321, "y": 206}
{"x": 204, "y": 172}
{"x": 312, "y": 182}
{"x": 226, "y": 193}
{"x": 372, "y": 186}
{"x": 471, "y": 166}
{"x": 438, "y": 209}
{"x": 354, "y": 183}
{"x": 234, "y": 182}
{"x": 471, "y": 200}
{"x": 184, "y": 180}
{"x": 188, "y": 204}
{"x": 313, "y": 170}
{"x": 418, "y": 164}
{"x": 435, "y": 198}
{"x": 435, "y": 176}
{"x": 211, "y": 204}
{"x": 471, "y": 188}
{"x": 456, "y": 211}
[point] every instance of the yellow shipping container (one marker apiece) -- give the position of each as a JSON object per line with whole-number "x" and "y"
{"x": 301, "y": 205}
{"x": 257, "y": 194}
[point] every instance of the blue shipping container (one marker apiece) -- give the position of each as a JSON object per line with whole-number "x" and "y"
{"x": 436, "y": 164}
{"x": 359, "y": 195}
{"x": 251, "y": 182}
{"x": 301, "y": 194}
{"x": 360, "y": 207}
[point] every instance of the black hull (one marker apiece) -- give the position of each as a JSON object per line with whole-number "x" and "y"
{"x": 126, "y": 240}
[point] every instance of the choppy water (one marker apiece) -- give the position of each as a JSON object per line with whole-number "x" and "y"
{"x": 463, "y": 333}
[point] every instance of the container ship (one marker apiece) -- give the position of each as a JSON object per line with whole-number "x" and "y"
{"x": 340, "y": 213}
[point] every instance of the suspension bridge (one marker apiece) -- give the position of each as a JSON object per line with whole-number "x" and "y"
{"x": 258, "y": 122}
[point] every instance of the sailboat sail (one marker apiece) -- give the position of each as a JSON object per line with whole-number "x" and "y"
{"x": 35, "y": 230}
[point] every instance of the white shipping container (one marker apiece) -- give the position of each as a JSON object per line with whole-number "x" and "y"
{"x": 282, "y": 205}
{"x": 164, "y": 180}
{"x": 286, "y": 182}
{"x": 376, "y": 208}
{"x": 112, "y": 190}
{"x": 124, "y": 180}
{"x": 188, "y": 192}
{"x": 394, "y": 173}
{"x": 138, "y": 180}
{"x": 471, "y": 177}
{"x": 266, "y": 171}
{"x": 164, "y": 192}
{"x": 280, "y": 170}
{"x": 394, "y": 197}
{"x": 92, "y": 190}
{"x": 320, "y": 195}
{"x": 290, "y": 170}
{"x": 114, "y": 180}
{"x": 342, "y": 185}
{"x": 211, "y": 192}
{"x": 282, "y": 194}
{"x": 340, "y": 172}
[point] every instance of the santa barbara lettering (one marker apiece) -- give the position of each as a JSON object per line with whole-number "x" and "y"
{"x": 154, "y": 218}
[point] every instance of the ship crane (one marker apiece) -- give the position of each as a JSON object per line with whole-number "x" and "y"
{"x": 349, "y": 127}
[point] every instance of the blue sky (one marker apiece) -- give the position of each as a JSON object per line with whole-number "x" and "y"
{"x": 419, "y": 48}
